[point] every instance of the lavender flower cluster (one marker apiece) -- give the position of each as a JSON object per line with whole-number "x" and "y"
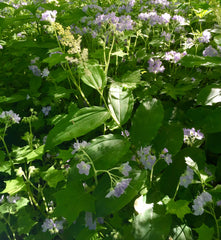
{"x": 119, "y": 188}
{"x": 52, "y": 226}
{"x": 121, "y": 23}
{"x": 10, "y": 115}
{"x": 187, "y": 177}
{"x": 190, "y": 135}
{"x": 200, "y": 202}
{"x": 155, "y": 66}
{"x": 154, "y": 18}
{"x": 173, "y": 56}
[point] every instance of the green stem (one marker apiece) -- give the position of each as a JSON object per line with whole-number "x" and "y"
{"x": 109, "y": 56}
{"x": 9, "y": 225}
{"x": 6, "y": 148}
{"x": 77, "y": 86}
{"x": 92, "y": 164}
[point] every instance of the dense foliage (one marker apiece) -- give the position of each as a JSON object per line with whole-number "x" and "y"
{"x": 110, "y": 119}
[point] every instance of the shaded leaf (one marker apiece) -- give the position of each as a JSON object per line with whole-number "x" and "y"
{"x": 52, "y": 176}
{"x": 13, "y": 186}
{"x": 76, "y": 124}
{"x": 180, "y": 208}
{"x": 205, "y": 232}
{"x": 146, "y": 122}
{"x": 73, "y": 200}
{"x": 121, "y": 103}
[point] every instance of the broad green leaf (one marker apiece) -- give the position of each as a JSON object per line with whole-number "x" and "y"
{"x": 207, "y": 119}
{"x": 171, "y": 176}
{"x": 25, "y": 154}
{"x": 73, "y": 200}
{"x": 55, "y": 58}
{"x": 192, "y": 60}
{"x": 146, "y": 122}
{"x": 52, "y": 176}
{"x": 14, "y": 186}
{"x": 121, "y": 103}
{"x": 182, "y": 232}
{"x": 150, "y": 225}
{"x": 205, "y": 232}
{"x": 76, "y": 125}
{"x": 213, "y": 141}
{"x": 217, "y": 39}
{"x": 119, "y": 53}
{"x": 25, "y": 222}
{"x": 13, "y": 208}
{"x": 209, "y": 95}
{"x": 170, "y": 137}
{"x": 180, "y": 208}
{"x": 3, "y": 227}
{"x": 106, "y": 152}
{"x": 105, "y": 206}
{"x": 93, "y": 76}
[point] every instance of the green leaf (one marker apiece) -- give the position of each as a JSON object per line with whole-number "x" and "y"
{"x": 107, "y": 150}
{"x": 93, "y": 76}
{"x": 52, "y": 176}
{"x": 72, "y": 200}
{"x": 206, "y": 118}
{"x": 76, "y": 125}
{"x": 193, "y": 60}
{"x": 2, "y": 227}
{"x": 24, "y": 154}
{"x": 105, "y": 206}
{"x": 121, "y": 103}
{"x": 14, "y": 186}
{"x": 213, "y": 141}
{"x": 205, "y": 232}
{"x": 146, "y": 122}
{"x": 170, "y": 137}
{"x": 119, "y": 53}
{"x": 209, "y": 95}
{"x": 150, "y": 225}
{"x": 25, "y": 222}
{"x": 171, "y": 176}
{"x": 182, "y": 232}
{"x": 54, "y": 59}
{"x": 180, "y": 208}
{"x": 217, "y": 39}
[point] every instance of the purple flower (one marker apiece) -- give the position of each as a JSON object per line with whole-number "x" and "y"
{"x": 46, "y": 110}
{"x": 49, "y": 16}
{"x": 165, "y": 18}
{"x": 210, "y": 52}
{"x": 181, "y": 20}
{"x": 125, "y": 169}
{"x": 11, "y": 116}
{"x": 2, "y": 198}
{"x": 166, "y": 35}
{"x": 168, "y": 158}
{"x": 174, "y": 56}
{"x": 35, "y": 70}
{"x": 200, "y": 202}
{"x": 187, "y": 177}
{"x": 79, "y": 145}
{"x": 1, "y": 47}
{"x": 125, "y": 133}
{"x": 155, "y": 66}
{"x": 89, "y": 221}
{"x": 218, "y": 203}
{"x": 13, "y": 199}
{"x": 191, "y": 135}
{"x": 52, "y": 226}
{"x": 45, "y": 72}
{"x": 206, "y": 35}
{"x": 84, "y": 168}
{"x": 119, "y": 188}
{"x": 146, "y": 158}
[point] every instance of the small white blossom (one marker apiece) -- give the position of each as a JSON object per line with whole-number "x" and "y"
{"x": 84, "y": 168}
